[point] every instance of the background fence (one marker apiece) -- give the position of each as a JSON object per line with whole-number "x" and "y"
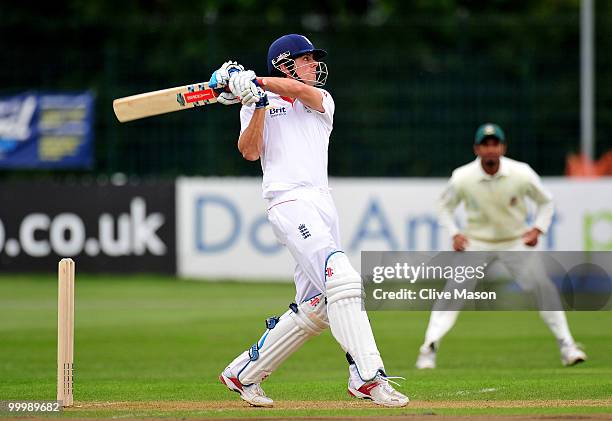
{"x": 411, "y": 83}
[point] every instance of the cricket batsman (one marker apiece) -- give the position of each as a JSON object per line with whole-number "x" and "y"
{"x": 286, "y": 120}
{"x": 494, "y": 190}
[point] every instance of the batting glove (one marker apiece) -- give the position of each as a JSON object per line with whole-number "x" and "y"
{"x": 220, "y": 79}
{"x": 263, "y": 101}
{"x": 242, "y": 85}
{"x": 221, "y": 76}
{"x": 227, "y": 98}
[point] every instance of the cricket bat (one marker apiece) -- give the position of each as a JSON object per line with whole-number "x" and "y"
{"x": 164, "y": 101}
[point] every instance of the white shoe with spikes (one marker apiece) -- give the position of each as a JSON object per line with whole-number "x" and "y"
{"x": 253, "y": 394}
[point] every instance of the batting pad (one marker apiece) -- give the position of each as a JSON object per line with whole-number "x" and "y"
{"x": 348, "y": 321}
{"x": 284, "y": 336}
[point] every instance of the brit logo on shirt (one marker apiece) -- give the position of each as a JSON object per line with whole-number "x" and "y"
{"x": 304, "y": 231}
{"x": 278, "y": 111}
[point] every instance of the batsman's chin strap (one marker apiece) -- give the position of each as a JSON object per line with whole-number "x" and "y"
{"x": 295, "y": 75}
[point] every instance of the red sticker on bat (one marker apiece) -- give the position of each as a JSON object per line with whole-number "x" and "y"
{"x": 199, "y": 95}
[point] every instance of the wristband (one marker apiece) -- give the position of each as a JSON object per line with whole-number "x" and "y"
{"x": 263, "y": 102}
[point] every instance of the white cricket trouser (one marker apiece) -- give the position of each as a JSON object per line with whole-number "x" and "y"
{"x": 306, "y": 221}
{"x": 529, "y": 274}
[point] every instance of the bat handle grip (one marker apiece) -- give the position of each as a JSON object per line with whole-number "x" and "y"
{"x": 219, "y": 91}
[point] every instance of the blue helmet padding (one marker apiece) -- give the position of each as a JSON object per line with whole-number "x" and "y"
{"x": 296, "y": 45}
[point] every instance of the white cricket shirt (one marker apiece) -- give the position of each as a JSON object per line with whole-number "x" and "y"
{"x": 295, "y": 141}
{"x": 495, "y": 204}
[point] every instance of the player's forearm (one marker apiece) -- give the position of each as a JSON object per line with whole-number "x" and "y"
{"x": 544, "y": 216}
{"x": 308, "y": 95}
{"x": 446, "y": 209}
{"x": 250, "y": 142}
{"x": 447, "y": 220}
{"x": 543, "y": 199}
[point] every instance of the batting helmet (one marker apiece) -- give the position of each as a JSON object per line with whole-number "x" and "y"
{"x": 291, "y": 46}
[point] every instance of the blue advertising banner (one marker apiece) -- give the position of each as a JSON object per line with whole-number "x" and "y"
{"x": 46, "y": 131}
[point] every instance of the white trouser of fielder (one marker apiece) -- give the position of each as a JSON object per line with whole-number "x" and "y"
{"x": 305, "y": 220}
{"x": 528, "y": 273}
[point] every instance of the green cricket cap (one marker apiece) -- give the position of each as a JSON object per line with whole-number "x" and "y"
{"x": 489, "y": 130}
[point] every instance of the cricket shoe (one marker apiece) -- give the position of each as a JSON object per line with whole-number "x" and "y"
{"x": 378, "y": 390}
{"x": 427, "y": 356}
{"x": 253, "y": 394}
{"x": 572, "y": 355}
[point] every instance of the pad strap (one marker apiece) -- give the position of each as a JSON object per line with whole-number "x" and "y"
{"x": 283, "y": 336}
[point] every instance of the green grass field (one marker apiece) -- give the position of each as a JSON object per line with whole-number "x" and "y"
{"x": 149, "y": 346}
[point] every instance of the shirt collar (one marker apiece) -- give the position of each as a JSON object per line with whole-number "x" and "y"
{"x": 502, "y": 171}
{"x": 288, "y": 99}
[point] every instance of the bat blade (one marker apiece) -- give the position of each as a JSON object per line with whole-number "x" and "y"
{"x": 164, "y": 101}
